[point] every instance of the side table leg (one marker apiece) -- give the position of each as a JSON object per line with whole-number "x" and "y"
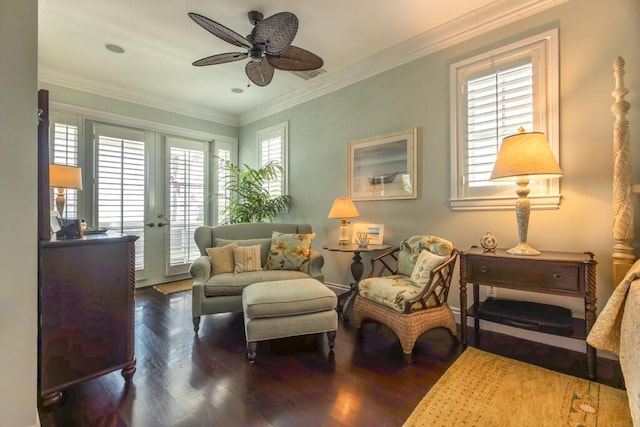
{"x": 463, "y": 303}
{"x": 357, "y": 268}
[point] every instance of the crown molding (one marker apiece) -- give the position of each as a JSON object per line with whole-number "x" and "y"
{"x": 463, "y": 28}
{"x": 53, "y": 77}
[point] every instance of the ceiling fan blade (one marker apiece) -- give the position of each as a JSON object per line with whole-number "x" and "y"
{"x": 221, "y": 58}
{"x": 220, "y": 31}
{"x": 261, "y": 73}
{"x": 296, "y": 59}
{"x": 276, "y": 32}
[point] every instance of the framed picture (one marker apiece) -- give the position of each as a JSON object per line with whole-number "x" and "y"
{"x": 375, "y": 232}
{"x": 383, "y": 167}
{"x": 55, "y": 221}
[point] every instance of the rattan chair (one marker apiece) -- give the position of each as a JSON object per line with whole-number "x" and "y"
{"x": 400, "y": 304}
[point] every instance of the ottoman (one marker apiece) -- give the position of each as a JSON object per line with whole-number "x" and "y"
{"x": 286, "y": 308}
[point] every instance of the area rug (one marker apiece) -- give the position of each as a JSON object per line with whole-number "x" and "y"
{"x": 484, "y": 389}
{"x": 173, "y": 287}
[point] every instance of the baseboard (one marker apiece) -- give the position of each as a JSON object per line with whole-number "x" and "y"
{"x": 548, "y": 339}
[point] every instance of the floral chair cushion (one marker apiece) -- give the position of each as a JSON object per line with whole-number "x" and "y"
{"x": 411, "y": 248}
{"x": 290, "y": 252}
{"x": 392, "y": 291}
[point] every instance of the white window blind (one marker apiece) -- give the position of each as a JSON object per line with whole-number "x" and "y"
{"x": 65, "y": 150}
{"x": 497, "y": 105}
{"x": 120, "y": 183}
{"x": 272, "y": 146}
{"x": 223, "y": 196}
{"x": 186, "y": 201}
{"x": 493, "y": 94}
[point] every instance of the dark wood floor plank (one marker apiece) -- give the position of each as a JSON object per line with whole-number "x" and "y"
{"x": 187, "y": 380}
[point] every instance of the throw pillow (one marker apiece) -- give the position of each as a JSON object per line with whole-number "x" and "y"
{"x": 222, "y": 259}
{"x": 265, "y": 245}
{"x": 411, "y": 248}
{"x": 290, "y": 252}
{"x": 425, "y": 263}
{"x": 247, "y": 258}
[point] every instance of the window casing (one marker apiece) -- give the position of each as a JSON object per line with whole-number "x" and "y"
{"x": 273, "y": 147}
{"x": 493, "y": 94}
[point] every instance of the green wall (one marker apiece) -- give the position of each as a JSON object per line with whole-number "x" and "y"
{"x": 101, "y": 103}
{"x": 592, "y": 34}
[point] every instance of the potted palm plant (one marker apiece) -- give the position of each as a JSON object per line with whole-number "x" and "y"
{"x": 250, "y": 200}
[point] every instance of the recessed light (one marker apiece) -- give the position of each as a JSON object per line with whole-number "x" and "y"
{"x": 114, "y": 48}
{"x": 237, "y": 90}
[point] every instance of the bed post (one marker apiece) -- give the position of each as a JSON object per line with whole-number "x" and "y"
{"x": 623, "y": 256}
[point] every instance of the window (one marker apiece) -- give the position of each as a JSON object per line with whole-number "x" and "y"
{"x": 186, "y": 192}
{"x": 494, "y": 94}
{"x": 224, "y": 151}
{"x": 120, "y": 182}
{"x": 65, "y": 150}
{"x": 272, "y": 146}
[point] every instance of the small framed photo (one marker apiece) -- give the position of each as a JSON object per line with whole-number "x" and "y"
{"x": 383, "y": 167}
{"x": 375, "y": 232}
{"x": 55, "y": 221}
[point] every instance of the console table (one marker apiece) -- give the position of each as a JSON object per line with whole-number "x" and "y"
{"x": 560, "y": 273}
{"x": 86, "y": 307}
{"x": 357, "y": 268}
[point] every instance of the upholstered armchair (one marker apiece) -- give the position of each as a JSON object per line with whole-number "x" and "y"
{"x": 407, "y": 290}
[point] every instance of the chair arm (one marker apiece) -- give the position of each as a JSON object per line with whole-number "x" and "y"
{"x": 386, "y": 261}
{"x": 316, "y": 261}
{"x": 438, "y": 284}
{"x": 200, "y": 269}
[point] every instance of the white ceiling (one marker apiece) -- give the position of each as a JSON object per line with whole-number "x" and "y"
{"x": 356, "y": 38}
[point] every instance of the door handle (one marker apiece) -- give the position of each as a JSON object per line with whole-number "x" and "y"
{"x": 151, "y": 224}
{"x": 162, "y": 224}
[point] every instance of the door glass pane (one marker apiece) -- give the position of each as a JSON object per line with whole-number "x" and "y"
{"x": 120, "y": 186}
{"x": 186, "y": 189}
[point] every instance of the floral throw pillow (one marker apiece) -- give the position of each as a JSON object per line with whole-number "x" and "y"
{"x": 290, "y": 252}
{"x": 425, "y": 263}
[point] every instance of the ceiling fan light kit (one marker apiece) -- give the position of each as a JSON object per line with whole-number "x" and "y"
{"x": 268, "y": 46}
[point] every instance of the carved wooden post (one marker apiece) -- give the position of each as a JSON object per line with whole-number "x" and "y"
{"x": 622, "y": 190}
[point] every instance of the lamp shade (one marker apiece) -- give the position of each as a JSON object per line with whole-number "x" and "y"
{"x": 343, "y": 207}
{"x": 525, "y": 154}
{"x": 62, "y": 176}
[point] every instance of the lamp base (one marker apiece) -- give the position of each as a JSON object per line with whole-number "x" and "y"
{"x": 523, "y": 249}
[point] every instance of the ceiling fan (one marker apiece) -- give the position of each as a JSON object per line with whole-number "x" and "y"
{"x": 268, "y": 46}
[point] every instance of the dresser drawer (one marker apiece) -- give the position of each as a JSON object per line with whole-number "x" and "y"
{"x": 523, "y": 274}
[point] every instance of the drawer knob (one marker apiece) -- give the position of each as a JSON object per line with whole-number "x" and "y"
{"x": 483, "y": 269}
{"x": 556, "y": 276}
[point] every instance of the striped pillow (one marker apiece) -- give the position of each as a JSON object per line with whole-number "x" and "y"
{"x": 247, "y": 258}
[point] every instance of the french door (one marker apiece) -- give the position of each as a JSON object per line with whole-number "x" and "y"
{"x": 153, "y": 186}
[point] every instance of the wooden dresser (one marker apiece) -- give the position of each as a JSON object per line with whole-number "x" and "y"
{"x": 560, "y": 273}
{"x": 86, "y": 307}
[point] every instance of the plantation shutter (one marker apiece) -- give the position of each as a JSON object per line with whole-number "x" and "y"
{"x": 271, "y": 152}
{"x": 65, "y": 151}
{"x": 223, "y": 196}
{"x": 120, "y": 183}
{"x": 186, "y": 200}
{"x": 497, "y": 105}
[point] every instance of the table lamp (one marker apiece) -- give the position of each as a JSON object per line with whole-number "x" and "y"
{"x": 343, "y": 208}
{"x": 64, "y": 177}
{"x": 523, "y": 156}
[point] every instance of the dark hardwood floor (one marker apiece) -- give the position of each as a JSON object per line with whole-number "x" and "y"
{"x": 205, "y": 380}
